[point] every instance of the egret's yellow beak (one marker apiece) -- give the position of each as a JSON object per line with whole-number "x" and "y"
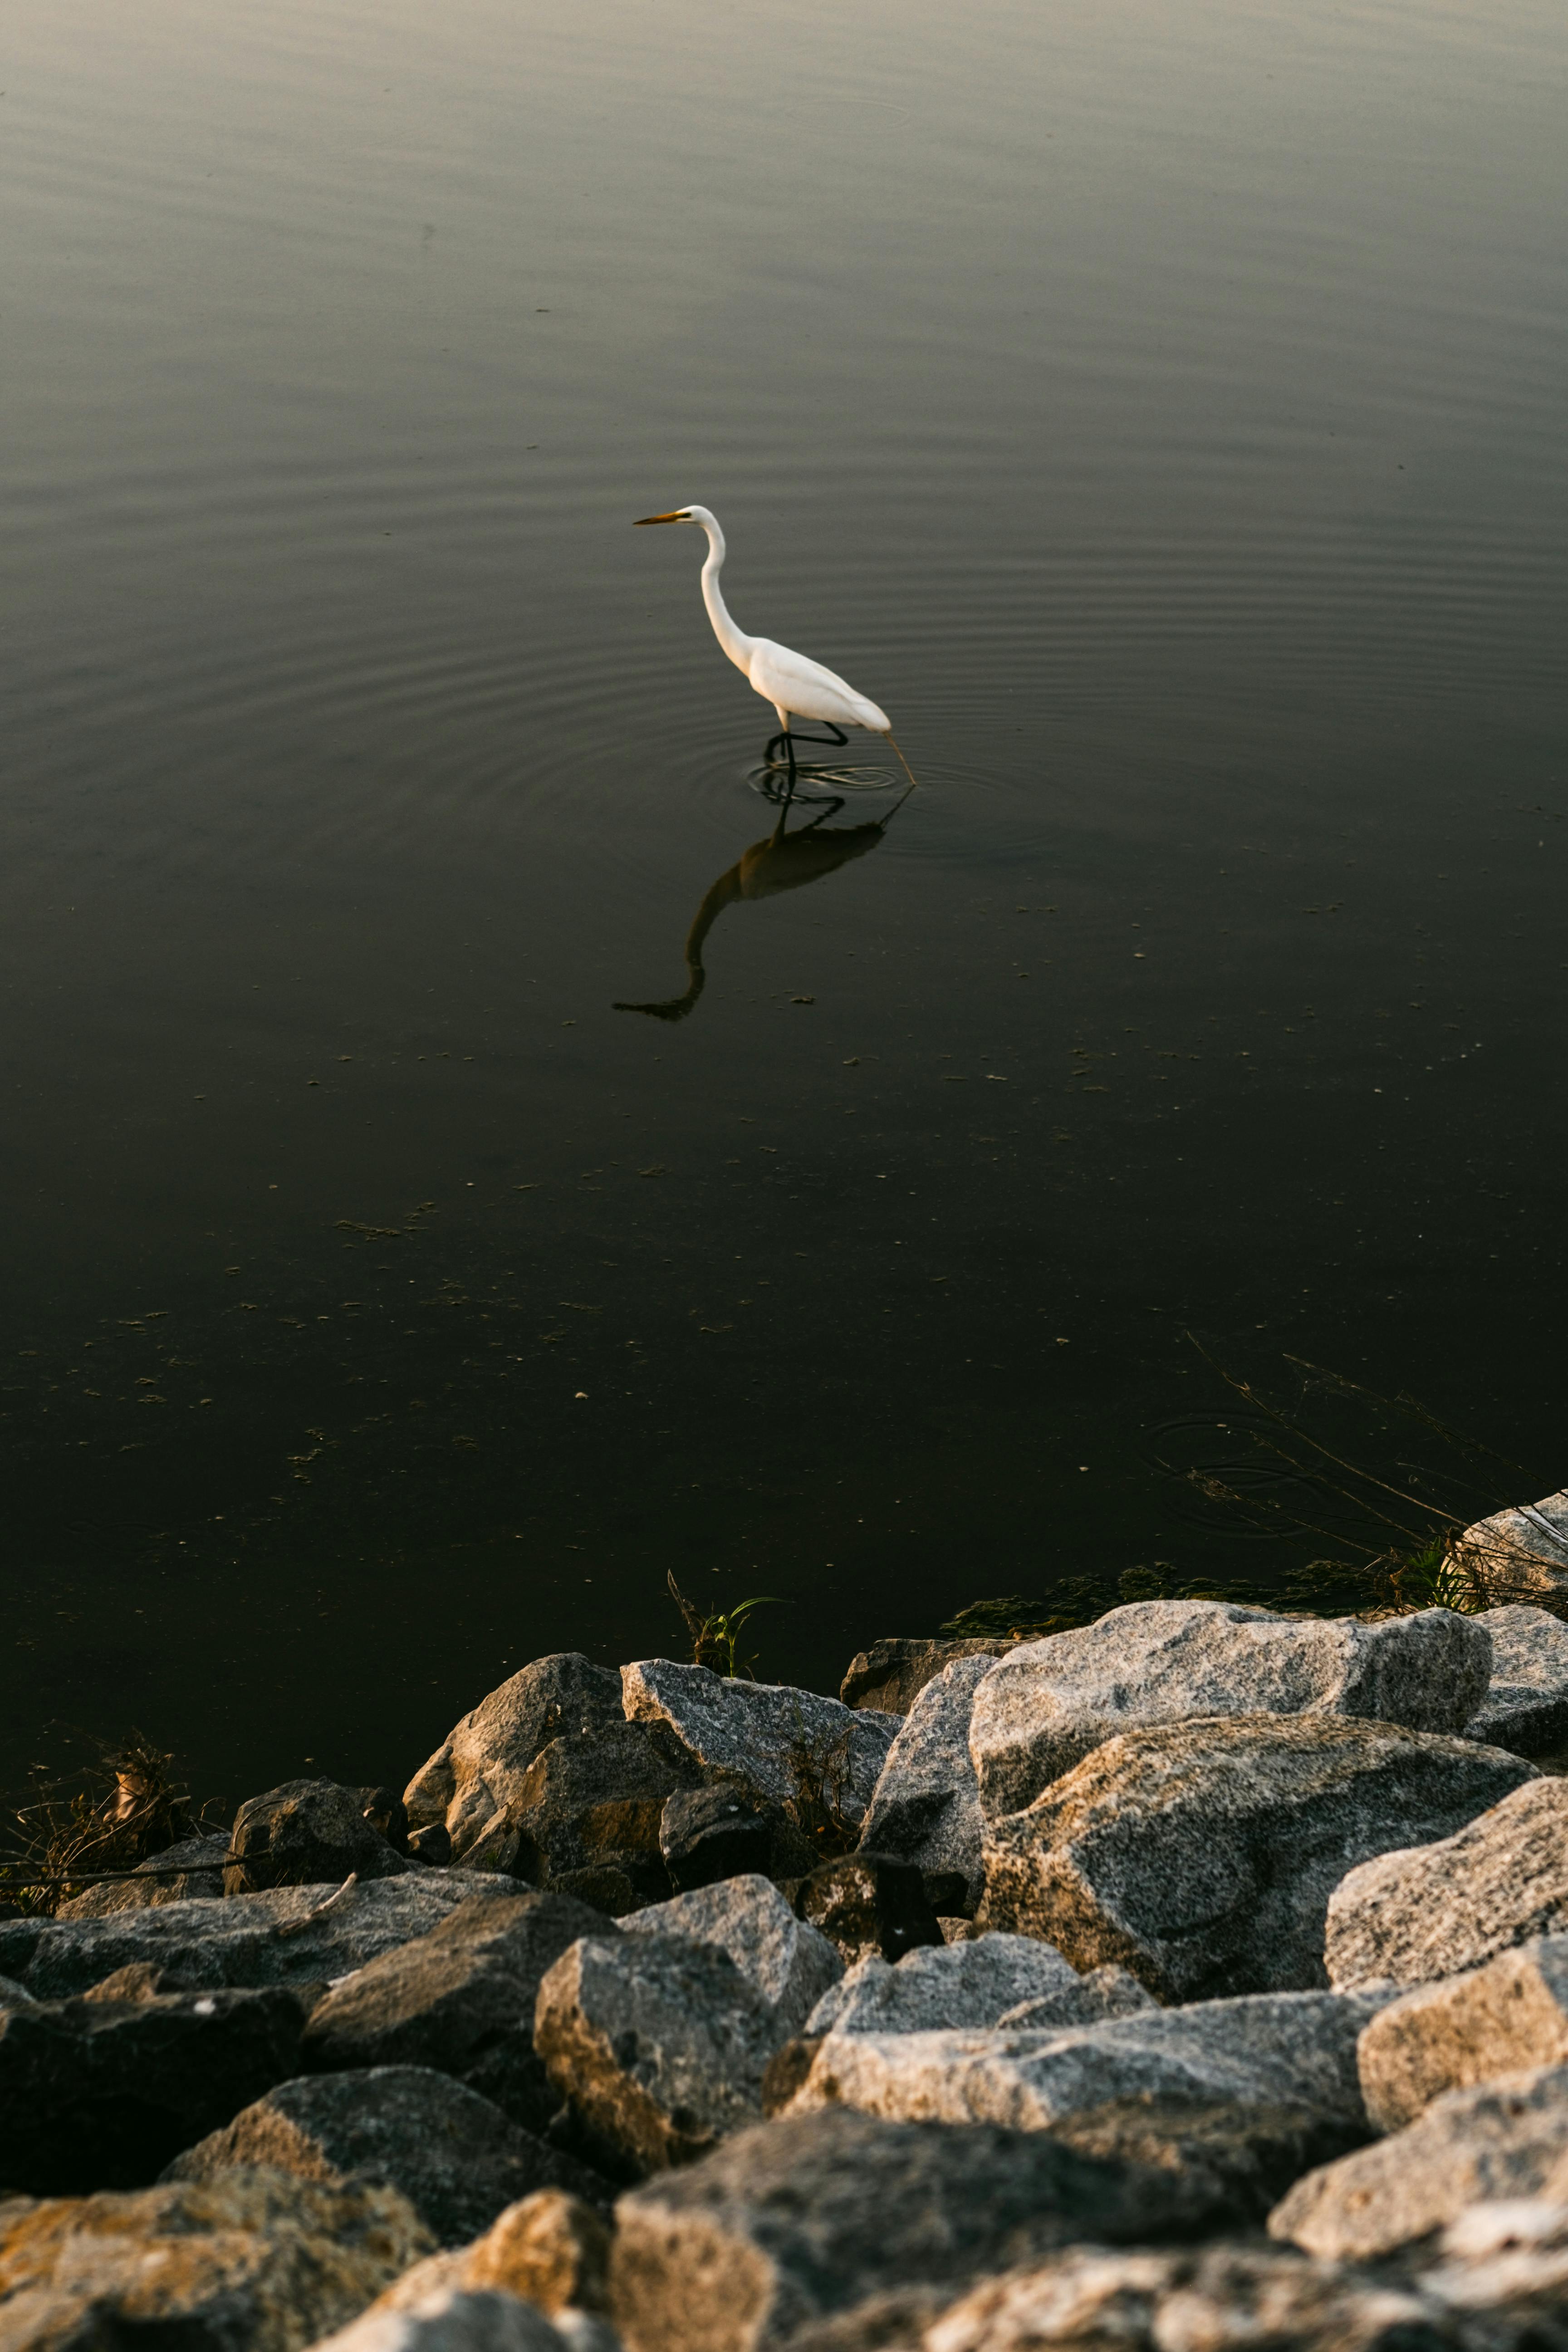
{"x": 679, "y": 517}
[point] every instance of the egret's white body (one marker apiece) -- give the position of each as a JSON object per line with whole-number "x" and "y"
{"x": 792, "y": 682}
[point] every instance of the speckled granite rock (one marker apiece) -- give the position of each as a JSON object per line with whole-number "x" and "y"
{"x": 1433, "y": 1908}
{"x": 660, "y": 2044}
{"x": 785, "y": 1958}
{"x": 1519, "y": 1554}
{"x": 1508, "y": 2138}
{"x": 1201, "y": 1856}
{"x": 766, "y": 1735}
{"x": 1526, "y": 1705}
{"x": 291, "y": 1935}
{"x": 1505, "y": 2018}
{"x": 480, "y": 1766}
{"x": 1271, "y": 2050}
{"x": 925, "y": 1806}
{"x": 942, "y": 1985}
{"x": 1045, "y": 1705}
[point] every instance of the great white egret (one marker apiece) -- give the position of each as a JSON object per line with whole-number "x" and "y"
{"x": 792, "y": 682}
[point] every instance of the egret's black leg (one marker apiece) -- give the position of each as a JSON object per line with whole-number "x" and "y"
{"x": 835, "y": 737}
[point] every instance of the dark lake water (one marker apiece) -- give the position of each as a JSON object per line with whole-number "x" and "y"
{"x": 1159, "y": 412}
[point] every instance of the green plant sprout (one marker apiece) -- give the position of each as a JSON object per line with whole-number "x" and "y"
{"x": 716, "y": 1636}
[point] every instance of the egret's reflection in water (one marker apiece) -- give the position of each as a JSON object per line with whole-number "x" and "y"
{"x": 782, "y": 861}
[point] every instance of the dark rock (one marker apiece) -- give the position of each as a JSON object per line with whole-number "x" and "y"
{"x": 1201, "y": 1856}
{"x": 433, "y": 1845}
{"x": 603, "y": 1888}
{"x": 479, "y": 1767}
{"x": 156, "y": 1881}
{"x": 891, "y": 1674}
{"x": 386, "y": 1812}
{"x": 660, "y": 2043}
{"x": 456, "y": 2158}
{"x": 143, "y": 1981}
{"x": 460, "y": 1999}
{"x": 707, "y": 1834}
{"x": 590, "y": 1801}
{"x": 302, "y": 1833}
{"x": 947, "y": 1892}
{"x": 804, "y": 2219}
{"x": 293, "y": 1934}
{"x": 1244, "y": 2154}
{"x": 99, "y": 2093}
{"x": 868, "y": 1903}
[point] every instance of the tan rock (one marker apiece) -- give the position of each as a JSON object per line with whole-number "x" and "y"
{"x": 256, "y": 2261}
{"x": 1501, "y": 2018}
{"x": 550, "y": 2248}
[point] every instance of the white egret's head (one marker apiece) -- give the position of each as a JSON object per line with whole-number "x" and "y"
{"x": 698, "y": 514}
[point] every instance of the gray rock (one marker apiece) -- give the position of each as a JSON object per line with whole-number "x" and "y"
{"x": 1101, "y": 1993}
{"x": 1507, "y": 2138}
{"x": 12, "y": 1994}
{"x": 1526, "y": 1705}
{"x": 1270, "y": 2050}
{"x": 1043, "y": 1708}
{"x": 301, "y": 1832}
{"x": 480, "y": 1766}
{"x": 460, "y": 1999}
{"x": 253, "y": 2263}
{"x": 451, "y": 2319}
{"x": 1201, "y": 1856}
{"x": 453, "y": 2155}
{"x": 1505, "y": 2018}
{"x": 658, "y": 2043}
{"x": 925, "y": 1806}
{"x": 787, "y": 1961}
{"x": 102, "y": 2094}
{"x": 802, "y": 2222}
{"x": 1207, "y": 2300}
{"x": 245, "y": 1939}
{"x": 942, "y": 1985}
{"x": 891, "y": 1674}
{"x": 155, "y": 1881}
{"x": 590, "y": 1802}
{"x": 1519, "y": 1554}
{"x": 779, "y": 1741}
{"x": 1426, "y": 1909}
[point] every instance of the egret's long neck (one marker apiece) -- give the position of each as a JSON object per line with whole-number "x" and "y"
{"x": 735, "y": 642}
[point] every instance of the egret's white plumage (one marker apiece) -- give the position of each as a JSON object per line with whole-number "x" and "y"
{"x": 792, "y": 682}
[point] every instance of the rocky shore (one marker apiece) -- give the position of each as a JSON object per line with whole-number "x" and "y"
{"x": 1192, "y": 1980}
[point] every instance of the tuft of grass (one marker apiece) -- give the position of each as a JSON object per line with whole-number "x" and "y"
{"x": 121, "y": 1810}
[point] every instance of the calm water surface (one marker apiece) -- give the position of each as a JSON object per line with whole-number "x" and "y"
{"x": 1160, "y": 411}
